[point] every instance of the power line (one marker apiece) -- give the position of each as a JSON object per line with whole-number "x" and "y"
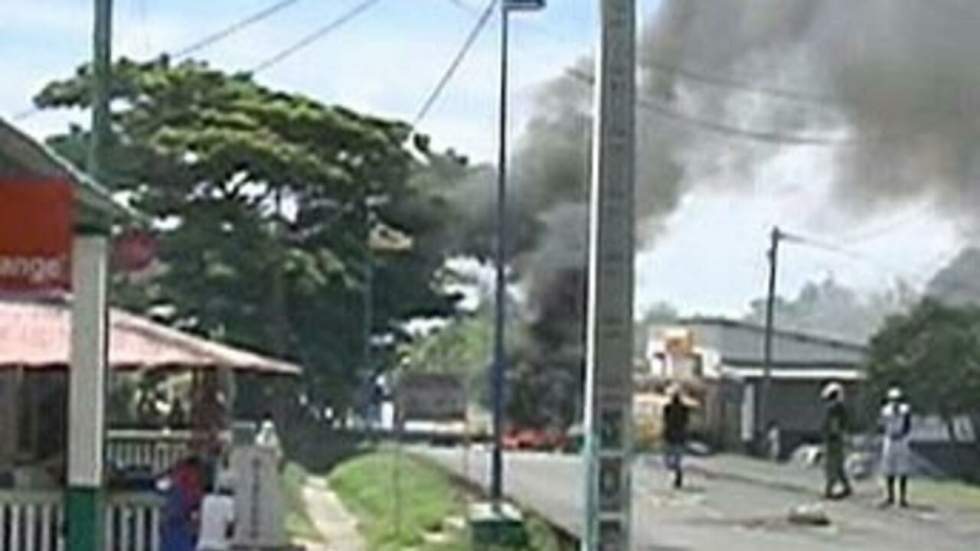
{"x": 456, "y": 62}
{"x": 233, "y": 28}
{"x": 316, "y": 35}
{"x": 873, "y": 233}
{"x": 950, "y": 283}
{"x": 703, "y": 77}
{"x": 736, "y": 84}
{"x": 201, "y": 44}
{"x": 664, "y": 111}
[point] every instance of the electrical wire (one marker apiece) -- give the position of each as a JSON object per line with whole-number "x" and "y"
{"x": 315, "y": 36}
{"x": 456, "y": 62}
{"x": 201, "y": 44}
{"x": 220, "y": 35}
{"x": 778, "y": 138}
{"x": 951, "y": 283}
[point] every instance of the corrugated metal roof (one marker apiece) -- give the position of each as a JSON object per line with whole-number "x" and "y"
{"x": 38, "y": 334}
{"x": 786, "y": 333}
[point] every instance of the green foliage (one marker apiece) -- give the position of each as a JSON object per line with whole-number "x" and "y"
{"x": 260, "y": 200}
{"x": 426, "y": 498}
{"x": 934, "y": 353}
{"x": 299, "y": 526}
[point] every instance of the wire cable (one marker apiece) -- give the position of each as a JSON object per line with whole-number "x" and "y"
{"x": 315, "y": 36}
{"x": 456, "y": 62}
{"x": 664, "y": 111}
{"x": 949, "y": 283}
{"x": 220, "y": 35}
{"x": 201, "y": 44}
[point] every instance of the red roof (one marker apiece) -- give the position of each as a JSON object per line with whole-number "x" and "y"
{"x": 37, "y": 334}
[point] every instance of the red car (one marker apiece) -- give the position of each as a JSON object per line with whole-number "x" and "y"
{"x": 533, "y": 439}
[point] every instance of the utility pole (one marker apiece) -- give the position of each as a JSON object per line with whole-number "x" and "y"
{"x": 101, "y": 77}
{"x": 85, "y": 496}
{"x": 773, "y": 255}
{"x": 609, "y": 337}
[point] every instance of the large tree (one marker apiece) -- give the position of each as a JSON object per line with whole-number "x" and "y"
{"x": 274, "y": 213}
{"x": 934, "y": 353}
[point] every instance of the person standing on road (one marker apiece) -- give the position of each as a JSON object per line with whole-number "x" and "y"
{"x": 896, "y": 454}
{"x": 676, "y": 416}
{"x": 835, "y": 428}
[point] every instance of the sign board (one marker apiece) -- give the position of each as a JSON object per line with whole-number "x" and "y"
{"x": 609, "y": 341}
{"x": 36, "y": 225}
{"x": 431, "y": 397}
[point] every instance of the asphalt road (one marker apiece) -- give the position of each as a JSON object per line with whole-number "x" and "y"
{"x": 717, "y": 511}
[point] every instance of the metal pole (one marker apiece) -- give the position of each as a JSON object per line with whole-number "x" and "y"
{"x": 499, "y": 351}
{"x": 773, "y": 255}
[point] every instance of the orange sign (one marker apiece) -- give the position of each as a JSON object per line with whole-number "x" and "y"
{"x": 35, "y": 236}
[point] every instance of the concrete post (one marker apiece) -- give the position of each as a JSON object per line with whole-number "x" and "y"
{"x": 609, "y": 324}
{"x": 84, "y": 505}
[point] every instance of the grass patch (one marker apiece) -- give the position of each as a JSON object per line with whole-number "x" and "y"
{"x": 428, "y": 497}
{"x": 298, "y": 523}
{"x": 959, "y": 495}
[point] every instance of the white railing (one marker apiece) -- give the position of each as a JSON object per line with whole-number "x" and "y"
{"x": 34, "y": 521}
{"x": 132, "y": 522}
{"x": 31, "y": 521}
{"x": 153, "y": 450}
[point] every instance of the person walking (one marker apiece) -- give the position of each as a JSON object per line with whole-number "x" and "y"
{"x": 896, "y": 454}
{"x": 835, "y": 427}
{"x": 676, "y": 417}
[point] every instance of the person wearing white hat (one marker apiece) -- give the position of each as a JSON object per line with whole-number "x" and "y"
{"x": 835, "y": 429}
{"x": 896, "y": 454}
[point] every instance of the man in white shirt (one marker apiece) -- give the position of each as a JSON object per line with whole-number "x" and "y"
{"x": 896, "y": 454}
{"x": 217, "y": 517}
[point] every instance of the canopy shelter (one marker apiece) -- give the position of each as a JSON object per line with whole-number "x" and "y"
{"x": 34, "y": 356}
{"x": 36, "y": 335}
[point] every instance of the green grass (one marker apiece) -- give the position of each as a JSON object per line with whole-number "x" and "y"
{"x": 427, "y": 497}
{"x": 299, "y": 527}
{"x": 959, "y": 495}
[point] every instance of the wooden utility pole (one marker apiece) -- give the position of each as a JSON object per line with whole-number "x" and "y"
{"x": 773, "y": 256}
{"x": 609, "y": 339}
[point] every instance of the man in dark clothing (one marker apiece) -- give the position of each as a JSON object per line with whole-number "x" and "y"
{"x": 835, "y": 431}
{"x": 676, "y": 415}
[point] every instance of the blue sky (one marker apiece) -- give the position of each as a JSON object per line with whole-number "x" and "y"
{"x": 387, "y": 61}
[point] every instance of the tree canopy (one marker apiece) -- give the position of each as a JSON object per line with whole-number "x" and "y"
{"x": 934, "y": 353}
{"x": 274, "y": 213}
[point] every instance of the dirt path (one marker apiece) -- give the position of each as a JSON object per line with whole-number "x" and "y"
{"x": 339, "y": 528}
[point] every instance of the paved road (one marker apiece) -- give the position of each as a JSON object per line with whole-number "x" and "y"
{"x": 719, "y": 511}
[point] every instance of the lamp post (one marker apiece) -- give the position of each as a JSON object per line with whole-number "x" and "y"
{"x": 499, "y": 351}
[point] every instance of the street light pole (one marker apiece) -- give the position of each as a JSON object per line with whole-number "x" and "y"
{"x": 500, "y": 322}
